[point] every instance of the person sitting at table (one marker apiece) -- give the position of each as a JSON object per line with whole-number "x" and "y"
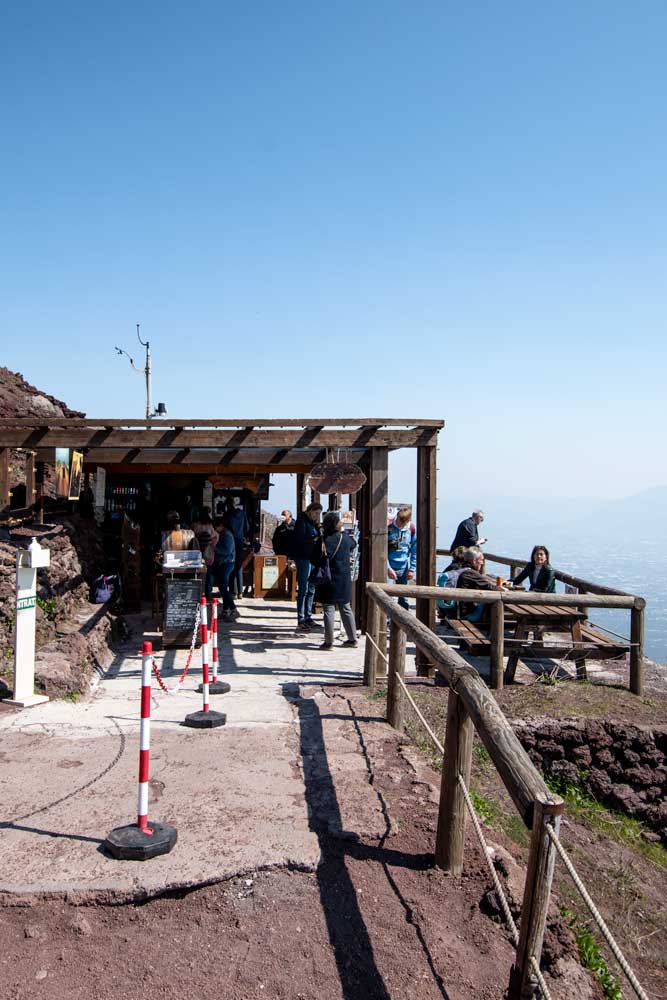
{"x": 471, "y": 577}
{"x": 539, "y": 572}
{"x": 449, "y": 578}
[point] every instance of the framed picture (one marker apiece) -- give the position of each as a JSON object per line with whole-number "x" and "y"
{"x": 75, "y": 472}
{"x": 62, "y": 473}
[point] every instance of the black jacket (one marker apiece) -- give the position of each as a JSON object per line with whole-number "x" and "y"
{"x": 283, "y": 537}
{"x": 339, "y": 590}
{"x": 305, "y": 533}
{"x": 466, "y": 534}
{"x": 546, "y": 581}
{"x": 471, "y": 579}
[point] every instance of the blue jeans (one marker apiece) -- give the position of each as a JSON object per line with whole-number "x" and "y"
{"x": 223, "y": 571}
{"x": 403, "y": 579}
{"x": 305, "y": 590}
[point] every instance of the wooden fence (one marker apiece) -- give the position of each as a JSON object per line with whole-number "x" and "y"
{"x": 499, "y": 598}
{"x": 473, "y": 707}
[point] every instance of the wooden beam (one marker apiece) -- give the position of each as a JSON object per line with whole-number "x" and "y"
{"x": 30, "y": 479}
{"x": 192, "y": 468}
{"x": 377, "y": 566}
{"x": 426, "y": 542}
{"x": 396, "y": 670}
{"x": 637, "y": 651}
{"x": 219, "y": 422}
{"x": 236, "y": 456}
{"x": 4, "y": 478}
{"x": 300, "y": 491}
{"x": 316, "y": 438}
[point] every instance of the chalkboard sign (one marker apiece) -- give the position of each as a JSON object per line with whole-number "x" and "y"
{"x": 181, "y": 598}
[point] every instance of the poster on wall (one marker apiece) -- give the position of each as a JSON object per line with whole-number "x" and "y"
{"x": 75, "y": 473}
{"x": 62, "y": 473}
{"x": 100, "y": 486}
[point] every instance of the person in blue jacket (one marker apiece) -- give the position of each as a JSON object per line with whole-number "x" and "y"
{"x": 223, "y": 566}
{"x": 306, "y": 531}
{"x": 402, "y": 550}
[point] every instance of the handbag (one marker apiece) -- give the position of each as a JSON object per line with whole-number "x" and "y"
{"x": 321, "y": 573}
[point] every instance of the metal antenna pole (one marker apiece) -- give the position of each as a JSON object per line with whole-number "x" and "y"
{"x": 147, "y": 371}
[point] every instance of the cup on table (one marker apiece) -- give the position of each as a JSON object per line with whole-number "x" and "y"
{"x": 499, "y": 581}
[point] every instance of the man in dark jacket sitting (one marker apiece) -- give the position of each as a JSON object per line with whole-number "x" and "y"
{"x": 306, "y": 531}
{"x": 467, "y": 534}
{"x": 472, "y": 578}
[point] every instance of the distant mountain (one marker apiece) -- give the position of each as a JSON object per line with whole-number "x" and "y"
{"x": 642, "y": 517}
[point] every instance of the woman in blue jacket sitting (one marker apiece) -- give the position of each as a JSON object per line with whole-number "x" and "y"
{"x": 539, "y": 572}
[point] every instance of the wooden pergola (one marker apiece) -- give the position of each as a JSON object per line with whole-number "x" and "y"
{"x": 253, "y": 447}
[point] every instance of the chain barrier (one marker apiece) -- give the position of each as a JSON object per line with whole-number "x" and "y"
{"x": 595, "y": 913}
{"x": 179, "y": 683}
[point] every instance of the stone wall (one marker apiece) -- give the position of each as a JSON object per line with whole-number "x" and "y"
{"x": 622, "y": 766}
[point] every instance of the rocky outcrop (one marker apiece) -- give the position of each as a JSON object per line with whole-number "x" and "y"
{"x": 67, "y": 648}
{"x": 20, "y": 399}
{"x": 622, "y": 766}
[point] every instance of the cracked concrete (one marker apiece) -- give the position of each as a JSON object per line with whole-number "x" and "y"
{"x": 236, "y": 794}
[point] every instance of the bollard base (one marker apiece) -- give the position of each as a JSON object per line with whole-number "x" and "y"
{"x": 216, "y": 687}
{"x": 129, "y": 843}
{"x": 205, "y": 720}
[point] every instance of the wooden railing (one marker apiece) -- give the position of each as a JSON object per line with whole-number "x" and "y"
{"x": 583, "y": 586}
{"x": 472, "y": 707}
{"x": 499, "y": 598}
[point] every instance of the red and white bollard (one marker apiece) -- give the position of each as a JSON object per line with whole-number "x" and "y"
{"x": 142, "y": 841}
{"x": 216, "y": 686}
{"x": 205, "y": 719}
{"x": 145, "y": 737}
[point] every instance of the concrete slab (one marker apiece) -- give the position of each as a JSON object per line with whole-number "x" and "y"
{"x": 236, "y": 794}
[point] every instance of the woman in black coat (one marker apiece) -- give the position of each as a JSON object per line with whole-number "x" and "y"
{"x": 539, "y": 572}
{"x": 335, "y": 593}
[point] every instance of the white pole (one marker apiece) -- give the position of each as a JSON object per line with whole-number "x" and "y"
{"x": 27, "y": 563}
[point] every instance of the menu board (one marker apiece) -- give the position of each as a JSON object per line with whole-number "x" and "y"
{"x": 181, "y": 598}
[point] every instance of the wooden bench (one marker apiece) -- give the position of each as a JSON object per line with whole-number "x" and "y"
{"x": 604, "y": 647}
{"x": 472, "y": 637}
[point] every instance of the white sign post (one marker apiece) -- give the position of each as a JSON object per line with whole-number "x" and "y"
{"x": 28, "y": 561}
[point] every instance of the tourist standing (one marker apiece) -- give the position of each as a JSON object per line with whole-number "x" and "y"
{"x": 402, "y": 549}
{"x": 223, "y": 566}
{"x": 467, "y": 533}
{"x": 306, "y": 531}
{"x": 235, "y": 519}
{"x": 336, "y": 592}
{"x": 283, "y": 536}
{"x": 207, "y": 538}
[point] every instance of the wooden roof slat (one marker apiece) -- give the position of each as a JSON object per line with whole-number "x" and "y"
{"x": 315, "y": 437}
{"x": 113, "y": 422}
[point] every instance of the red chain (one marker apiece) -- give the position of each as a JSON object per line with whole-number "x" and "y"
{"x": 158, "y": 675}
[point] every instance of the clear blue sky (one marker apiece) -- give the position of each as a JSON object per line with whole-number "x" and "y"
{"x": 430, "y": 209}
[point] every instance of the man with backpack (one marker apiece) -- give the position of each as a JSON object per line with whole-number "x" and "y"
{"x": 283, "y": 536}
{"x": 402, "y": 549}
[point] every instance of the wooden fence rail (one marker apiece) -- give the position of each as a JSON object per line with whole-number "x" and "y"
{"x": 472, "y": 707}
{"x": 499, "y": 598}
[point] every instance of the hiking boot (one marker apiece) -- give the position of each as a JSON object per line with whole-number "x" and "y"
{"x": 327, "y": 645}
{"x": 351, "y": 642}
{"x": 311, "y": 623}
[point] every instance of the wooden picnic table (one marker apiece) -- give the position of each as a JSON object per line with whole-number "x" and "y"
{"x": 539, "y": 618}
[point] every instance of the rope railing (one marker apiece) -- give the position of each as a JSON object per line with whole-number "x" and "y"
{"x": 471, "y": 706}
{"x": 595, "y": 913}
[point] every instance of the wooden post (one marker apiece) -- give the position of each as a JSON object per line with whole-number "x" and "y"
{"x": 426, "y": 544}
{"x": 497, "y": 644}
{"x": 452, "y": 809}
{"x": 363, "y": 516}
{"x": 4, "y": 478}
{"x": 396, "y": 669}
{"x": 300, "y": 491}
{"x": 637, "y": 650}
{"x": 39, "y": 499}
{"x": 370, "y": 654}
{"x": 30, "y": 479}
{"x": 535, "y": 898}
{"x": 377, "y": 568}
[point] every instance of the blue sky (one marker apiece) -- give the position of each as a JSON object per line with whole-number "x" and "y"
{"x": 426, "y": 209}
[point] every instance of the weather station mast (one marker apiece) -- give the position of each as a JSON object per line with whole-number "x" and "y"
{"x": 161, "y": 409}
